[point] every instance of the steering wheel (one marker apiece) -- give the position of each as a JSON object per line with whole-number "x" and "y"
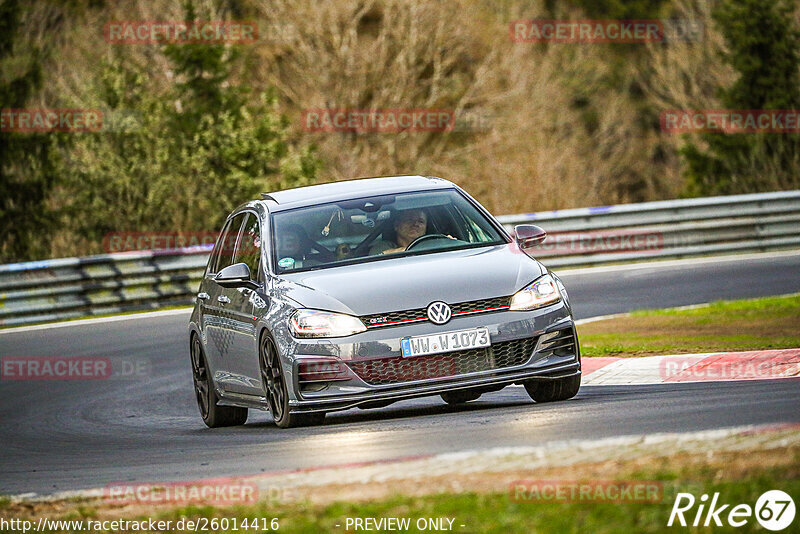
{"x": 426, "y": 237}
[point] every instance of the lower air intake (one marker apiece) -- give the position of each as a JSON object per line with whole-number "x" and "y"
{"x": 399, "y": 370}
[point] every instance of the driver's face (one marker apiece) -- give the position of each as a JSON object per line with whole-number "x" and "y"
{"x": 410, "y": 225}
{"x": 288, "y": 243}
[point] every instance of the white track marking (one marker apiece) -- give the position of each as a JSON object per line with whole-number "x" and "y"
{"x": 504, "y": 459}
{"x": 687, "y": 262}
{"x": 636, "y": 371}
{"x": 96, "y": 320}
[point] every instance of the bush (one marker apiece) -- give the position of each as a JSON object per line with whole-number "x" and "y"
{"x": 764, "y": 49}
{"x": 180, "y": 158}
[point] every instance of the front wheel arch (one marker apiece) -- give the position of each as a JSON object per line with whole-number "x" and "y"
{"x": 272, "y": 383}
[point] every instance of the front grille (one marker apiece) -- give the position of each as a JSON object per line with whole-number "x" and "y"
{"x": 388, "y": 319}
{"x": 463, "y": 308}
{"x": 399, "y": 370}
{"x": 397, "y": 318}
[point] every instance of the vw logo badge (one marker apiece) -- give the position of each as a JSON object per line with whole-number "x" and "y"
{"x": 439, "y": 312}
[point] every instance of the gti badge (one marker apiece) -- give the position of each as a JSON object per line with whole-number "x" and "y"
{"x": 439, "y": 312}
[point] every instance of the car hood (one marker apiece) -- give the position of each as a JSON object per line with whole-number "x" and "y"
{"x": 413, "y": 282}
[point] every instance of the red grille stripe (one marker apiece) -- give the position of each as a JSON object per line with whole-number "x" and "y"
{"x": 468, "y": 312}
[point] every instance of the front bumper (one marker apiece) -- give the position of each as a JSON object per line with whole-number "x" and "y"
{"x": 384, "y": 343}
{"x": 344, "y": 403}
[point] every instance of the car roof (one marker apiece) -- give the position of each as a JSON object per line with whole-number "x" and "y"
{"x": 347, "y": 189}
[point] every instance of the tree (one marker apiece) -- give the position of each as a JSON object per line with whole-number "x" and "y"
{"x": 27, "y": 171}
{"x": 764, "y": 48}
{"x": 195, "y": 151}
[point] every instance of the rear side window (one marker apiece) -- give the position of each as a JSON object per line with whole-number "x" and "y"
{"x": 248, "y": 246}
{"x": 222, "y": 256}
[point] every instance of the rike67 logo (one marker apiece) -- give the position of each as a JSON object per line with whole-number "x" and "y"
{"x": 774, "y": 510}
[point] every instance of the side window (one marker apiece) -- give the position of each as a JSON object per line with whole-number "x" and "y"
{"x": 223, "y": 251}
{"x": 213, "y": 260}
{"x": 248, "y": 246}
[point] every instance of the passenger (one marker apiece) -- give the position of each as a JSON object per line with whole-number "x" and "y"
{"x": 408, "y": 225}
{"x": 250, "y": 248}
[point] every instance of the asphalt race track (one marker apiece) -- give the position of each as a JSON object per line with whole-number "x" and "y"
{"x": 63, "y": 435}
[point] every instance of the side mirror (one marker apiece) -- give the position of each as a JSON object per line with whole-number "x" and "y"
{"x": 236, "y": 275}
{"x": 528, "y": 235}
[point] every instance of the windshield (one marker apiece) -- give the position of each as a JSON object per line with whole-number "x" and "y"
{"x": 377, "y": 228}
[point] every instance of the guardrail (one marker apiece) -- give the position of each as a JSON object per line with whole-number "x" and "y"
{"x": 66, "y": 288}
{"x": 666, "y": 229}
{"x": 112, "y": 283}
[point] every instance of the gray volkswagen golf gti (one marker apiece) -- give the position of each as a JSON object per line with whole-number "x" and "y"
{"x": 366, "y": 292}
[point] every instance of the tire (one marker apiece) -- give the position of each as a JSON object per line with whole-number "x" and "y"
{"x": 460, "y": 397}
{"x": 214, "y": 415}
{"x": 558, "y": 389}
{"x": 275, "y": 390}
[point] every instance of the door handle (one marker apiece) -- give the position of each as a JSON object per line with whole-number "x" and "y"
{"x": 202, "y": 296}
{"x": 223, "y": 299}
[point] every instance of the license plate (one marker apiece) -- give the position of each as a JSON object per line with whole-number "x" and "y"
{"x": 445, "y": 342}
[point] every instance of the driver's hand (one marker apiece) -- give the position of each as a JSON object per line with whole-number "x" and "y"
{"x": 393, "y": 250}
{"x": 342, "y": 251}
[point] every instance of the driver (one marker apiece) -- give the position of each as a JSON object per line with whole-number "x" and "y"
{"x": 408, "y": 225}
{"x": 292, "y": 247}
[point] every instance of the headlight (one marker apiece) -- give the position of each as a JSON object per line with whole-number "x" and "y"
{"x": 541, "y": 292}
{"x": 314, "y": 323}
